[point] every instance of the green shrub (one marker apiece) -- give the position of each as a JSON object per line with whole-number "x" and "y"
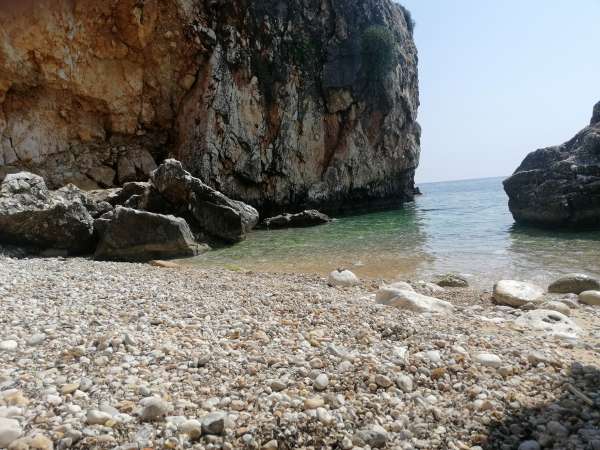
{"x": 378, "y": 51}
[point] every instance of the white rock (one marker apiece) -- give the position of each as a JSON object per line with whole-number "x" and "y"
{"x": 193, "y": 428}
{"x": 321, "y": 382}
{"x": 555, "y": 306}
{"x": 324, "y": 416}
{"x": 343, "y": 278}
{"x": 516, "y": 293}
{"x": 154, "y": 408}
{"x": 10, "y": 431}
{"x": 405, "y": 383}
{"x": 413, "y": 301}
{"x": 9, "y": 346}
{"x": 590, "y": 298}
{"x": 551, "y": 322}
{"x": 529, "y": 445}
{"x": 95, "y": 417}
{"x": 488, "y": 359}
{"x": 36, "y": 339}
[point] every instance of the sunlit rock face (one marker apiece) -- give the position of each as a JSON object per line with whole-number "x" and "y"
{"x": 272, "y": 102}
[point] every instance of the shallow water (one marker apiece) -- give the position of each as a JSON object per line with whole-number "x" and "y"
{"x": 461, "y": 226}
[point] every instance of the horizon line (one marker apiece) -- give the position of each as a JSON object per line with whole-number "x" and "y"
{"x": 461, "y": 179}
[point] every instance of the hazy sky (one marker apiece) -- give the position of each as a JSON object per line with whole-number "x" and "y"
{"x": 501, "y": 78}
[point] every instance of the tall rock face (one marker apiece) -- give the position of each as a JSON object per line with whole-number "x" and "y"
{"x": 560, "y": 186}
{"x": 277, "y": 103}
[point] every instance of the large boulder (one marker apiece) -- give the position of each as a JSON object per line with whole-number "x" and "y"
{"x": 560, "y": 186}
{"x": 214, "y": 212}
{"x": 574, "y": 283}
{"x": 31, "y": 215}
{"x": 308, "y": 218}
{"x": 517, "y": 293}
{"x": 130, "y": 235}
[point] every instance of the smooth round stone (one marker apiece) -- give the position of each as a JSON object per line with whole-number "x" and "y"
{"x": 556, "y": 306}
{"x": 343, "y": 278}
{"x": 278, "y": 385}
{"x": 383, "y": 381}
{"x": 405, "y": 383}
{"x": 95, "y": 417}
{"x": 321, "y": 382}
{"x": 313, "y": 403}
{"x": 433, "y": 356}
{"x": 530, "y": 445}
{"x": 9, "y": 346}
{"x": 516, "y": 293}
{"x": 452, "y": 280}
{"x": 574, "y": 283}
{"x": 10, "y": 430}
{"x": 488, "y": 359}
{"x": 591, "y": 298}
{"x": 36, "y": 339}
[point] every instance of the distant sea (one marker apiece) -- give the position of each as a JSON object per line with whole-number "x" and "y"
{"x": 460, "y": 226}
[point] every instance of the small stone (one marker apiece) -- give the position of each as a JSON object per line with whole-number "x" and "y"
{"x": 214, "y": 423}
{"x": 321, "y": 382}
{"x": 557, "y": 429}
{"x": 193, "y": 428}
{"x": 591, "y": 298}
{"x": 574, "y": 283}
{"x": 8, "y": 346}
{"x": 343, "y": 278}
{"x": 316, "y": 363}
{"x": 313, "y": 403}
{"x": 452, "y": 280}
{"x": 10, "y": 431}
{"x": 488, "y": 359}
{"x": 405, "y": 383}
{"x": 154, "y": 408}
{"x": 324, "y": 416}
{"x": 278, "y": 385}
{"x": 95, "y": 417}
{"x": 374, "y": 436}
{"x": 69, "y": 388}
{"x": 529, "y": 445}
{"x": 36, "y": 339}
{"x": 271, "y": 445}
{"x": 433, "y": 356}
{"x": 383, "y": 381}
{"x": 41, "y": 442}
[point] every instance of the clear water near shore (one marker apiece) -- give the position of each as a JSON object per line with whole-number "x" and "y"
{"x": 461, "y": 226}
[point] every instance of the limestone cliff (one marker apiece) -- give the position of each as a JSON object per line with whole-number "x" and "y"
{"x": 273, "y": 102}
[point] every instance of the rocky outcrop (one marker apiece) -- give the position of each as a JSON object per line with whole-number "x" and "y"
{"x": 33, "y": 216}
{"x": 560, "y": 186}
{"x": 278, "y": 103}
{"x": 130, "y": 235}
{"x": 214, "y": 213}
{"x": 309, "y": 218}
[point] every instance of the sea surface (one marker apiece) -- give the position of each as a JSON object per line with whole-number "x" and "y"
{"x": 461, "y": 226}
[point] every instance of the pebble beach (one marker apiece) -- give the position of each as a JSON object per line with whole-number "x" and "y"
{"x": 132, "y": 356}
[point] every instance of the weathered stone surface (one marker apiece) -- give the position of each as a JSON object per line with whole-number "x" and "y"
{"x": 413, "y": 301}
{"x": 548, "y": 321}
{"x": 452, "y": 280}
{"x": 560, "y": 186}
{"x": 574, "y": 283}
{"x": 131, "y": 235}
{"x": 309, "y": 218}
{"x": 271, "y": 102}
{"x": 343, "y": 278}
{"x": 215, "y": 213}
{"x": 591, "y": 298}
{"x": 517, "y": 293}
{"x": 31, "y": 215}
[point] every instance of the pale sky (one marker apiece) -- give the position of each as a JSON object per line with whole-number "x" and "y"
{"x": 501, "y": 78}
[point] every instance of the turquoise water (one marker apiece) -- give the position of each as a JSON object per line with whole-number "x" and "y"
{"x": 461, "y": 226}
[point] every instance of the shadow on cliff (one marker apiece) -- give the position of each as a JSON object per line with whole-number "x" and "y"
{"x": 570, "y": 422}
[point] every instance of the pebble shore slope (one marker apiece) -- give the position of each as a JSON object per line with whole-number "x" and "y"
{"x": 110, "y": 355}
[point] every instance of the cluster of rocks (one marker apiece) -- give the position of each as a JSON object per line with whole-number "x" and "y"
{"x": 172, "y": 215}
{"x": 130, "y": 356}
{"x": 165, "y": 217}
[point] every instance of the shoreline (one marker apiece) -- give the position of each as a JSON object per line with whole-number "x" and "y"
{"x": 273, "y": 357}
